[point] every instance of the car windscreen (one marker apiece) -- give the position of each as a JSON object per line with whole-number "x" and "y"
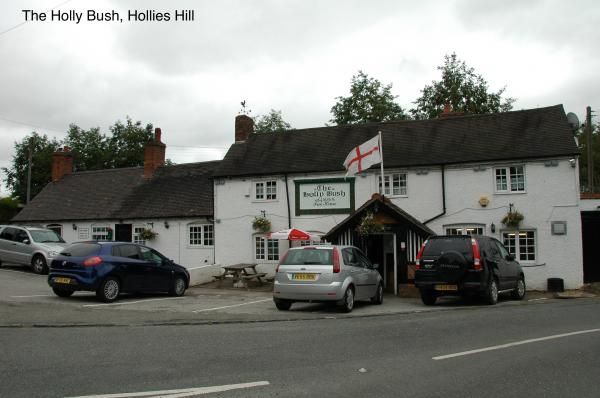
{"x": 45, "y": 236}
{"x": 438, "y": 246}
{"x": 309, "y": 257}
{"x": 81, "y": 249}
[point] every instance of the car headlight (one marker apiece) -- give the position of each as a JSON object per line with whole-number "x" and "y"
{"x": 52, "y": 254}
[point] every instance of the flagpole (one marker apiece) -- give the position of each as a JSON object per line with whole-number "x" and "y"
{"x": 381, "y": 154}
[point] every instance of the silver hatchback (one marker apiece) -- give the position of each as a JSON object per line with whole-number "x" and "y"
{"x": 31, "y": 246}
{"x": 340, "y": 274}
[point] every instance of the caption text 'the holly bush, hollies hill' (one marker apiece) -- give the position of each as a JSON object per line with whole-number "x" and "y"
{"x": 75, "y": 16}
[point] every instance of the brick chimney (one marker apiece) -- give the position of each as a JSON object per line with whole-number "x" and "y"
{"x": 62, "y": 163}
{"x": 244, "y": 126}
{"x": 154, "y": 154}
{"x": 448, "y": 111}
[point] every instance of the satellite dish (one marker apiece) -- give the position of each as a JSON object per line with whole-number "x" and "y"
{"x": 573, "y": 120}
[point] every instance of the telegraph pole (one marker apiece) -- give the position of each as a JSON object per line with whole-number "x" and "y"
{"x": 29, "y": 157}
{"x": 590, "y": 153}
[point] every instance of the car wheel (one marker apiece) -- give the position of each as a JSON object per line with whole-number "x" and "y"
{"x": 347, "y": 303}
{"x": 428, "y": 297}
{"x": 109, "y": 290}
{"x": 178, "y": 288}
{"x": 38, "y": 264}
{"x": 62, "y": 292}
{"x": 491, "y": 293}
{"x": 519, "y": 292}
{"x": 378, "y": 298}
{"x": 282, "y": 305}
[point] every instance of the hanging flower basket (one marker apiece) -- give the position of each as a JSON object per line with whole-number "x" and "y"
{"x": 148, "y": 234}
{"x": 368, "y": 225}
{"x": 261, "y": 224}
{"x": 512, "y": 219}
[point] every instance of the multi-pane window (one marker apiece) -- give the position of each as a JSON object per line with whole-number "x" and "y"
{"x": 266, "y": 249}
{"x": 521, "y": 244}
{"x": 56, "y": 228}
{"x": 265, "y": 190}
{"x": 464, "y": 230}
{"x": 394, "y": 184}
{"x": 510, "y": 179}
{"x": 137, "y": 232}
{"x": 201, "y": 235}
{"x": 101, "y": 233}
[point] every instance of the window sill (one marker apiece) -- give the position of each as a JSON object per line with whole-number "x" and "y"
{"x": 510, "y": 192}
{"x": 264, "y": 200}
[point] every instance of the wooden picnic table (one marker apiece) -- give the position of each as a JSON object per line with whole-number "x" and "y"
{"x": 241, "y": 274}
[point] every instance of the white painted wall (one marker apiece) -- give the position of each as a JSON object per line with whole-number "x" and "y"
{"x": 552, "y": 194}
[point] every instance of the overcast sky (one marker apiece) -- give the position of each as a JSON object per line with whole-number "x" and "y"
{"x": 295, "y": 56}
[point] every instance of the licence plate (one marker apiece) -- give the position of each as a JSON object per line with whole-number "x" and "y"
{"x": 304, "y": 277}
{"x": 62, "y": 280}
{"x": 446, "y": 288}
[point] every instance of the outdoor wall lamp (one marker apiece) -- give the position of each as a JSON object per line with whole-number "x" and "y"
{"x": 151, "y": 224}
{"x": 166, "y": 224}
{"x": 74, "y": 227}
{"x": 493, "y": 228}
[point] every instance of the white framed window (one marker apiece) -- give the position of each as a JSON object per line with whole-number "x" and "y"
{"x": 266, "y": 249}
{"x": 465, "y": 229}
{"x": 510, "y": 179}
{"x": 102, "y": 233}
{"x": 201, "y": 235}
{"x": 137, "y": 232}
{"x": 83, "y": 233}
{"x": 521, "y": 244}
{"x": 394, "y": 184}
{"x": 265, "y": 190}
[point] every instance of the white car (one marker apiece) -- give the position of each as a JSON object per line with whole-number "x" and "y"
{"x": 31, "y": 246}
{"x": 339, "y": 274}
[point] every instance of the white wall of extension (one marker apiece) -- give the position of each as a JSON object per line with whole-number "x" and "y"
{"x": 173, "y": 242}
{"x": 551, "y": 195}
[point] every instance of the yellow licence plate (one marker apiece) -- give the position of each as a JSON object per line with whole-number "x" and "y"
{"x": 446, "y": 288}
{"x": 62, "y": 280}
{"x": 304, "y": 277}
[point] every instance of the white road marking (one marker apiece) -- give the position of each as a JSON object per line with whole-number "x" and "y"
{"x": 231, "y": 306}
{"x": 131, "y": 302}
{"x": 184, "y": 393}
{"x": 34, "y": 295}
{"x": 539, "y": 299}
{"x": 516, "y": 343}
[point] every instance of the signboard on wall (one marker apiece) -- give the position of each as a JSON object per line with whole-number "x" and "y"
{"x": 325, "y": 196}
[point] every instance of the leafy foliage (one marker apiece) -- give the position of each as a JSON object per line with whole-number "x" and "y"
{"x": 463, "y": 89}
{"x": 42, "y": 149}
{"x": 271, "y": 123}
{"x": 9, "y": 207}
{"x": 92, "y": 150}
{"x": 512, "y": 219}
{"x": 261, "y": 224}
{"x": 369, "y": 225}
{"x": 369, "y": 101}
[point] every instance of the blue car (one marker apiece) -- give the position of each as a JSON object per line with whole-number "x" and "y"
{"x": 110, "y": 268}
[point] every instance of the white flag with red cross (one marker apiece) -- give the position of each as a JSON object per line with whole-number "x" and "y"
{"x": 363, "y": 156}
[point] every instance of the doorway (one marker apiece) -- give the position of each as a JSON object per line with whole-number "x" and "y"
{"x": 381, "y": 250}
{"x": 123, "y": 232}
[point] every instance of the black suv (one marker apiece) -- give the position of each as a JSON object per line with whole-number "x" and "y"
{"x": 467, "y": 266}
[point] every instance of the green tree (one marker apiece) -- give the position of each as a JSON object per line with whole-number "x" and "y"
{"x": 126, "y": 143}
{"x": 369, "y": 101}
{"x": 42, "y": 149}
{"x": 89, "y": 147}
{"x": 9, "y": 207}
{"x": 461, "y": 88}
{"x": 271, "y": 123}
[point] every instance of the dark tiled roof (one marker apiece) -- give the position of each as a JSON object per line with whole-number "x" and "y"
{"x": 526, "y": 134}
{"x": 175, "y": 191}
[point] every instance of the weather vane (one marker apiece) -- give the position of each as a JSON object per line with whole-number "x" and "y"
{"x": 244, "y": 110}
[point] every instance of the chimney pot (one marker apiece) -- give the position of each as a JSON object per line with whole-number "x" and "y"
{"x": 157, "y": 134}
{"x": 244, "y": 126}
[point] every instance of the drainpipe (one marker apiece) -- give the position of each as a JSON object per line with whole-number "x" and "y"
{"x": 287, "y": 194}
{"x": 443, "y": 199}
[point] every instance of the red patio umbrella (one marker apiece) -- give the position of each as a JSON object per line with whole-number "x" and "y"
{"x": 293, "y": 234}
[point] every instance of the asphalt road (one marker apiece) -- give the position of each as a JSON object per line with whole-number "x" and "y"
{"x": 379, "y": 356}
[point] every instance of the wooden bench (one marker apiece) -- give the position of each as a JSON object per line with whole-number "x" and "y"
{"x": 256, "y": 276}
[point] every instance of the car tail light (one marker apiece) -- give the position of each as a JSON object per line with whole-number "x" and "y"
{"x": 92, "y": 261}
{"x": 281, "y": 261}
{"x": 336, "y": 261}
{"x": 476, "y": 255}
{"x": 419, "y": 255}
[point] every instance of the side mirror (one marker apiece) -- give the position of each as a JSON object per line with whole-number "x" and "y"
{"x": 510, "y": 257}
{"x": 26, "y": 241}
